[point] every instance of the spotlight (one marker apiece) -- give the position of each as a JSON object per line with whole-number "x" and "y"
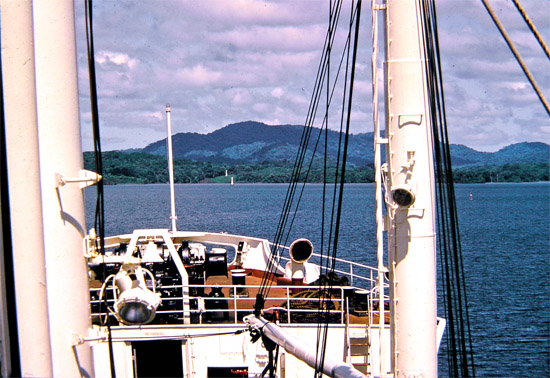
{"x": 136, "y": 304}
{"x": 403, "y": 195}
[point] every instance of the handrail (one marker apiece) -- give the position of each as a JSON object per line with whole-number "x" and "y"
{"x": 350, "y": 273}
{"x": 239, "y": 308}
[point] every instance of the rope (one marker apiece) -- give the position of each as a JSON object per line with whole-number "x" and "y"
{"x": 532, "y": 27}
{"x": 290, "y": 205}
{"x": 302, "y": 169}
{"x": 99, "y": 220}
{"x": 324, "y": 304}
{"x": 459, "y": 342}
{"x": 512, "y": 47}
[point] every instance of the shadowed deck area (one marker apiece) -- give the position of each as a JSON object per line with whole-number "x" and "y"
{"x": 304, "y": 301}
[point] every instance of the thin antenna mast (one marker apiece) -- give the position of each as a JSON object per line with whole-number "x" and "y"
{"x": 173, "y": 216}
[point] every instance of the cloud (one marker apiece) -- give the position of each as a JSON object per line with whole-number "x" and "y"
{"x": 277, "y": 92}
{"x": 271, "y": 38}
{"x": 239, "y": 97}
{"x": 197, "y": 76}
{"x": 118, "y": 59}
{"x": 223, "y": 61}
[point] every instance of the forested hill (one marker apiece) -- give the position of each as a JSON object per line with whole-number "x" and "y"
{"x": 255, "y": 152}
{"x": 142, "y": 168}
{"x": 254, "y": 142}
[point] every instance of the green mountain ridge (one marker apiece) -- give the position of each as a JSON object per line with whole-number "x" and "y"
{"x": 253, "y": 142}
{"x": 255, "y": 152}
{"x": 143, "y": 168}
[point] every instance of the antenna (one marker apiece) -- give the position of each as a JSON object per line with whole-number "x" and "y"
{"x": 173, "y": 216}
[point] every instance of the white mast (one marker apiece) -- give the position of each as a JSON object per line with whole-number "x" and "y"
{"x": 173, "y": 216}
{"x": 411, "y": 235}
{"x": 378, "y": 141}
{"x": 63, "y": 206}
{"x": 24, "y": 190}
{"x": 42, "y": 124}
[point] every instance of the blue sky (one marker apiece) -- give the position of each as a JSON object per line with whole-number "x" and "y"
{"x": 218, "y": 62}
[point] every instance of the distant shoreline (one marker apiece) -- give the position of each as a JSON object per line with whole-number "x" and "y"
{"x": 143, "y": 168}
{"x": 313, "y": 183}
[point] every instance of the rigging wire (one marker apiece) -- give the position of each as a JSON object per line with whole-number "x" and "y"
{"x": 301, "y": 172}
{"x": 319, "y": 359}
{"x": 512, "y": 47}
{"x": 458, "y": 340}
{"x": 308, "y": 148}
{"x": 297, "y": 174}
{"x": 532, "y": 27}
{"x": 99, "y": 218}
{"x": 317, "y": 142}
{"x": 338, "y": 192}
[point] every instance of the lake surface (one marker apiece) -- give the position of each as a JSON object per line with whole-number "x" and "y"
{"x": 505, "y": 234}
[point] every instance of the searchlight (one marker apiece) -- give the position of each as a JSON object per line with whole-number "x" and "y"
{"x": 136, "y": 304}
{"x": 403, "y": 195}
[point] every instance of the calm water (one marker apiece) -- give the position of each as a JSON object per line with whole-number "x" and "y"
{"x": 505, "y": 241}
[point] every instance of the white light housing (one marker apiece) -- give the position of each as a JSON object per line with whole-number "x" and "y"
{"x": 136, "y": 304}
{"x": 152, "y": 253}
{"x": 403, "y": 195}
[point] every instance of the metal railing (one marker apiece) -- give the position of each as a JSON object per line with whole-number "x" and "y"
{"x": 288, "y": 304}
{"x": 351, "y": 272}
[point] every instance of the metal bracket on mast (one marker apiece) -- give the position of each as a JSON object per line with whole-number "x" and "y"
{"x": 85, "y": 178}
{"x": 77, "y": 339}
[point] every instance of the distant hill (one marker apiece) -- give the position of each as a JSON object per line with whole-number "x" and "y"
{"x": 254, "y": 142}
{"x": 525, "y": 152}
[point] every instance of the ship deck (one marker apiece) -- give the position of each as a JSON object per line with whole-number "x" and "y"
{"x": 303, "y": 300}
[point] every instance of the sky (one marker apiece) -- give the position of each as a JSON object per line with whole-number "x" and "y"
{"x": 218, "y": 62}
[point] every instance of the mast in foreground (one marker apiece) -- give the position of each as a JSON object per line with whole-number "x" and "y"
{"x": 46, "y": 346}
{"x": 411, "y": 227}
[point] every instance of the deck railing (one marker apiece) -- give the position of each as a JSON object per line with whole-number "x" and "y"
{"x": 287, "y": 304}
{"x": 360, "y": 275}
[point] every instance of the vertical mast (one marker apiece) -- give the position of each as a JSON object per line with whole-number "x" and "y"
{"x": 21, "y": 130}
{"x": 378, "y": 142}
{"x": 173, "y": 216}
{"x": 411, "y": 232}
{"x": 62, "y": 205}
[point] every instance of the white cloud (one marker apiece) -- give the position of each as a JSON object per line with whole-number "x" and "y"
{"x": 277, "y": 92}
{"x": 197, "y": 76}
{"x": 223, "y": 61}
{"x": 157, "y": 116}
{"x": 119, "y": 59}
{"x": 272, "y": 38}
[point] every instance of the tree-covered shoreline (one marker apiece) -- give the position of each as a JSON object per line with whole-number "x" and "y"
{"x": 143, "y": 168}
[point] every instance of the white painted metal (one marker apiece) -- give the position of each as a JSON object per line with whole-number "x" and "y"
{"x": 411, "y": 234}
{"x": 163, "y": 234}
{"x": 303, "y": 351}
{"x": 24, "y": 188}
{"x": 63, "y": 208}
{"x": 85, "y": 178}
{"x": 201, "y": 351}
{"x": 378, "y": 184}
{"x": 173, "y": 216}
